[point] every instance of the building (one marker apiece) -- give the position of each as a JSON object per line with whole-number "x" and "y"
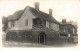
{"x": 33, "y": 25}
{"x": 68, "y": 30}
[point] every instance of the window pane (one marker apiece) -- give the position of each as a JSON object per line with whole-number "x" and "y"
{"x": 12, "y": 24}
{"x": 26, "y": 23}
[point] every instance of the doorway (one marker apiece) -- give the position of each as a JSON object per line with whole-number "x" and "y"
{"x": 42, "y": 38}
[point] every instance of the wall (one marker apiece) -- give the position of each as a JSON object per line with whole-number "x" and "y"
{"x": 55, "y": 26}
{"x": 33, "y": 36}
{"x": 9, "y": 24}
{"x": 47, "y": 24}
{"x": 73, "y": 30}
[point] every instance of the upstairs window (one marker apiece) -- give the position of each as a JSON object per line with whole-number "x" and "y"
{"x": 26, "y": 22}
{"x": 49, "y": 24}
{"x": 12, "y": 23}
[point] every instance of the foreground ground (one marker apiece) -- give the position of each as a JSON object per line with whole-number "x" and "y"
{"x": 21, "y": 44}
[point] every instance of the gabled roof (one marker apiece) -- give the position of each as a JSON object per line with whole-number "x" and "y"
{"x": 16, "y": 15}
{"x": 35, "y": 12}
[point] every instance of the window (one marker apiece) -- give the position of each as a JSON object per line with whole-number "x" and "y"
{"x": 26, "y": 22}
{"x": 49, "y": 25}
{"x": 12, "y": 24}
{"x": 64, "y": 34}
{"x": 73, "y": 30}
{"x": 39, "y": 23}
{"x": 64, "y": 30}
{"x": 64, "y": 27}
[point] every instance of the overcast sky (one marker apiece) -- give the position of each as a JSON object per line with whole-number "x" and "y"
{"x": 69, "y": 9}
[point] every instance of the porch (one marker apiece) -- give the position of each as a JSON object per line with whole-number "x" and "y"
{"x": 39, "y": 23}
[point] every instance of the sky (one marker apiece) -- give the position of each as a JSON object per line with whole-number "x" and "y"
{"x": 69, "y": 9}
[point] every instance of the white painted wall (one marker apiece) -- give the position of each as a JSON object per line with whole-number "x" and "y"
{"x": 9, "y": 24}
{"x": 20, "y": 24}
{"x": 73, "y": 31}
{"x": 47, "y": 24}
{"x": 55, "y": 26}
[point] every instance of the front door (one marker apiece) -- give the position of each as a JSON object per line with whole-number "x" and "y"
{"x": 42, "y": 38}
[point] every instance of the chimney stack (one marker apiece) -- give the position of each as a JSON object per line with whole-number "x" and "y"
{"x": 50, "y": 12}
{"x": 63, "y": 21}
{"x": 37, "y": 6}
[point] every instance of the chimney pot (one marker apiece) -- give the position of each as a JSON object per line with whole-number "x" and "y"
{"x": 37, "y": 6}
{"x": 50, "y": 12}
{"x": 63, "y": 21}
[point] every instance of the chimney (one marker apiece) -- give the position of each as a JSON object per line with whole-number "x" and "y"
{"x": 37, "y": 6}
{"x": 63, "y": 21}
{"x": 50, "y": 12}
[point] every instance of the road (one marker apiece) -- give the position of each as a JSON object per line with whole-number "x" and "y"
{"x": 22, "y": 44}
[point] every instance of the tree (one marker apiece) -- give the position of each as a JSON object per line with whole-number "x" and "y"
{"x": 5, "y": 23}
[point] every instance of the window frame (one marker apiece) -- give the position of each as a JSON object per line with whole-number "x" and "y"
{"x": 26, "y": 22}
{"x": 12, "y": 23}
